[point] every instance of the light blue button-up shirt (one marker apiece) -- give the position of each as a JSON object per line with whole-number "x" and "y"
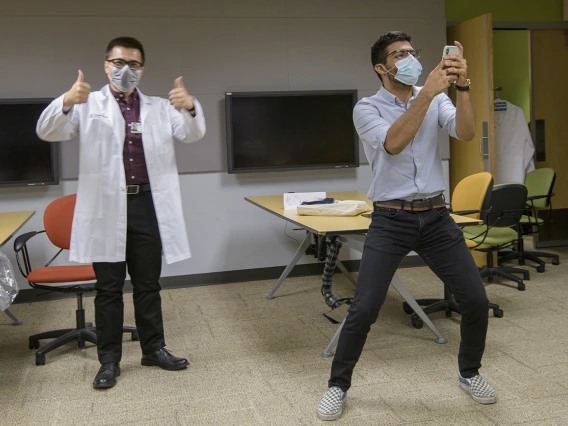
{"x": 416, "y": 172}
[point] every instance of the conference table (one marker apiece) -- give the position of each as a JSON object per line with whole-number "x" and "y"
{"x": 349, "y": 230}
{"x": 10, "y": 223}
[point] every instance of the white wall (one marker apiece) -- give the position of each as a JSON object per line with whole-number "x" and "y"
{"x": 234, "y": 45}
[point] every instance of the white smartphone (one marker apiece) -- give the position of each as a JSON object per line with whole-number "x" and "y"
{"x": 450, "y": 50}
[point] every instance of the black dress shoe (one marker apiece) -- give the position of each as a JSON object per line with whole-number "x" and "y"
{"x": 106, "y": 377}
{"x": 163, "y": 359}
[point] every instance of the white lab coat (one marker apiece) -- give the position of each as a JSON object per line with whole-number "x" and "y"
{"x": 514, "y": 148}
{"x": 99, "y": 224}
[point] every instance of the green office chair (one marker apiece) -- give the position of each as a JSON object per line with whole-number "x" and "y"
{"x": 539, "y": 183}
{"x": 500, "y": 230}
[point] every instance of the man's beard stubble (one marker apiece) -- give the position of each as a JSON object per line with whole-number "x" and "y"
{"x": 397, "y": 84}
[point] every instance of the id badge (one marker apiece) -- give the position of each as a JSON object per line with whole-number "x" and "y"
{"x": 136, "y": 128}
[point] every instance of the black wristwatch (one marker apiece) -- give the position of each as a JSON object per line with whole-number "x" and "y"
{"x": 463, "y": 88}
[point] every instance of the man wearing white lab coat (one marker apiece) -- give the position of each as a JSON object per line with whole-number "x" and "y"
{"x": 129, "y": 209}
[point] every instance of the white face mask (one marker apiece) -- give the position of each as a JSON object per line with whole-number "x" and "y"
{"x": 408, "y": 70}
{"x": 125, "y": 78}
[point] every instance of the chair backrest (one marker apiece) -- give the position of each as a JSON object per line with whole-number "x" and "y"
{"x": 473, "y": 193}
{"x": 508, "y": 202}
{"x": 540, "y": 182}
{"x": 57, "y": 220}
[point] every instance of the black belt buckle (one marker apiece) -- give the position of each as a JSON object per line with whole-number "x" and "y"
{"x": 132, "y": 189}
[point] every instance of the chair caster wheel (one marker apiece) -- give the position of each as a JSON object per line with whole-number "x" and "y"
{"x": 498, "y": 313}
{"x": 81, "y": 343}
{"x": 540, "y": 268}
{"x": 521, "y": 261}
{"x": 555, "y": 262}
{"x": 521, "y": 287}
{"x": 89, "y": 325}
{"x": 34, "y": 344}
{"x": 134, "y": 336}
{"x": 407, "y": 309}
{"x": 40, "y": 359}
{"x": 448, "y": 314}
{"x": 417, "y": 323}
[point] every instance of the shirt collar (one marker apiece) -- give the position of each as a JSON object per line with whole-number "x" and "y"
{"x": 118, "y": 95}
{"x": 392, "y": 99}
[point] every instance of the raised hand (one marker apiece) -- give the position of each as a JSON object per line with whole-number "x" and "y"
{"x": 438, "y": 80}
{"x": 179, "y": 97}
{"x": 456, "y": 65}
{"x": 79, "y": 92}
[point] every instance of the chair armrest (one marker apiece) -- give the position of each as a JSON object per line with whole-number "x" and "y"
{"x": 21, "y": 241}
{"x": 466, "y": 212}
{"x": 536, "y": 197}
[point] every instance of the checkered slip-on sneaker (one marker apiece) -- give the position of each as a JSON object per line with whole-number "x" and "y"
{"x": 331, "y": 405}
{"x": 480, "y": 390}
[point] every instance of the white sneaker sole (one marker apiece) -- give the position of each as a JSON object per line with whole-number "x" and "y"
{"x": 480, "y": 400}
{"x": 328, "y": 417}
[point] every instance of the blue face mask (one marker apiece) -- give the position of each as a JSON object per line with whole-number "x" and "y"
{"x": 408, "y": 70}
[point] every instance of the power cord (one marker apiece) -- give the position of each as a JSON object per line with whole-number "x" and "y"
{"x": 289, "y": 236}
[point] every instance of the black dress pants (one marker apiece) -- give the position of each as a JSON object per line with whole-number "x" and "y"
{"x": 144, "y": 263}
{"x": 434, "y": 235}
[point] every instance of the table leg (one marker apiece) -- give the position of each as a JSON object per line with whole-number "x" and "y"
{"x": 13, "y": 317}
{"x": 346, "y": 272}
{"x": 358, "y": 243}
{"x": 333, "y": 342}
{"x": 299, "y": 253}
{"x": 398, "y": 286}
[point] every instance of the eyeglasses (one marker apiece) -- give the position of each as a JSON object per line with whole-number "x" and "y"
{"x": 403, "y": 53}
{"x": 119, "y": 63}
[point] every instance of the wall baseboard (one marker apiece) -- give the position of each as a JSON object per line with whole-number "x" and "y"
{"x": 183, "y": 281}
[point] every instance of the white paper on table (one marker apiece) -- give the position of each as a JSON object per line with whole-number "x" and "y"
{"x": 293, "y": 199}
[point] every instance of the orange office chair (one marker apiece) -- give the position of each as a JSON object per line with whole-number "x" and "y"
{"x": 57, "y": 220}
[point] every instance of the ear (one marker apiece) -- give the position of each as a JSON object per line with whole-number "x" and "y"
{"x": 380, "y": 68}
{"x": 107, "y": 67}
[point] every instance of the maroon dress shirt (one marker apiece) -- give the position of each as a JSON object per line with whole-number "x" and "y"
{"x": 133, "y": 153}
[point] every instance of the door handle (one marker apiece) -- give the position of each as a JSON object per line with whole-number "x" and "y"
{"x": 481, "y": 146}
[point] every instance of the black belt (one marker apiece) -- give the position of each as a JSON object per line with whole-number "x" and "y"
{"x": 416, "y": 205}
{"x": 136, "y": 189}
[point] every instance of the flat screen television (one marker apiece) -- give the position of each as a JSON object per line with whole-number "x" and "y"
{"x": 278, "y": 131}
{"x": 25, "y": 160}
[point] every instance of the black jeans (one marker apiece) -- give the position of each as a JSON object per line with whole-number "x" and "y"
{"x": 144, "y": 261}
{"x": 434, "y": 235}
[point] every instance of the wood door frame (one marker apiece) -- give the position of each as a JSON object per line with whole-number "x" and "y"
{"x": 482, "y": 91}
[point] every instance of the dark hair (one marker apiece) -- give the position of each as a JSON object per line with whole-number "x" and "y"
{"x": 128, "y": 42}
{"x": 380, "y": 48}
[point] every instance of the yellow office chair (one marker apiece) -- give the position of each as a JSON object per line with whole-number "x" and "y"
{"x": 471, "y": 196}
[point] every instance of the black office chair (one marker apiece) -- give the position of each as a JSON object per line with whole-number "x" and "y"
{"x": 539, "y": 183}
{"x": 471, "y": 196}
{"x": 501, "y": 230}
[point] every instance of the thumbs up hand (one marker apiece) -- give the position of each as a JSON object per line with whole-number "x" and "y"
{"x": 79, "y": 92}
{"x": 179, "y": 97}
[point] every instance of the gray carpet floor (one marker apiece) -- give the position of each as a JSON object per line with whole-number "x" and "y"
{"x": 257, "y": 362}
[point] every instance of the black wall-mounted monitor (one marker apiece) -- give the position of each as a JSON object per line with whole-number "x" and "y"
{"x": 278, "y": 131}
{"x": 25, "y": 160}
